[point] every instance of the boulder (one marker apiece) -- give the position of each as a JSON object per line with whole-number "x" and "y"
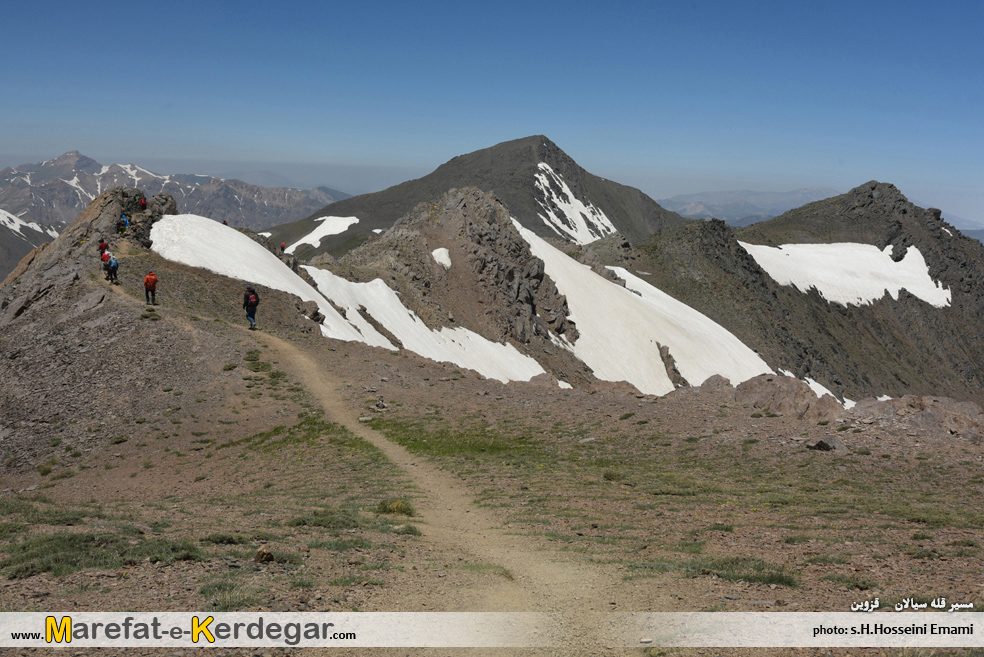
{"x": 785, "y": 395}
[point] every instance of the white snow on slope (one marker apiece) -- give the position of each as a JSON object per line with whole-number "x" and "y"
{"x": 619, "y": 330}
{"x": 442, "y": 257}
{"x": 578, "y": 222}
{"x": 265, "y": 234}
{"x": 201, "y": 242}
{"x": 329, "y": 226}
{"x": 849, "y": 273}
{"x": 456, "y": 345}
{"x": 16, "y": 224}
{"x": 74, "y": 182}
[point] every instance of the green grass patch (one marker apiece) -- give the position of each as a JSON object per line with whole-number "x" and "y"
{"x": 61, "y": 553}
{"x": 341, "y": 544}
{"x": 327, "y": 518}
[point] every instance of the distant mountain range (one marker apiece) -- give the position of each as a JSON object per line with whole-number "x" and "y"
{"x": 743, "y": 207}
{"x": 49, "y": 195}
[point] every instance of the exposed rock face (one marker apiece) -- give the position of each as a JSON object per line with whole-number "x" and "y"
{"x": 494, "y": 287}
{"x": 787, "y": 396}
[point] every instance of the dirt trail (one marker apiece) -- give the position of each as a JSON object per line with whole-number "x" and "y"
{"x": 543, "y": 581}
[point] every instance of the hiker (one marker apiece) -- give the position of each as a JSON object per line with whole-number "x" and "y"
{"x": 150, "y": 287}
{"x": 283, "y": 245}
{"x": 105, "y": 257}
{"x": 114, "y": 267}
{"x": 250, "y": 301}
{"x": 143, "y": 204}
{"x": 225, "y": 223}
{"x": 121, "y": 225}
{"x": 103, "y": 246}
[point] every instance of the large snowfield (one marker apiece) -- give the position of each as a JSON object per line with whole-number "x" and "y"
{"x": 620, "y": 330}
{"x": 849, "y": 273}
{"x": 201, "y": 242}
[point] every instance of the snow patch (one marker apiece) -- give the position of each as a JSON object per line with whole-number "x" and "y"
{"x": 564, "y": 385}
{"x": 16, "y": 224}
{"x": 74, "y": 182}
{"x": 620, "y": 329}
{"x": 576, "y": 221}
{"x": 442, "y": 257}
{"x": 266, "y": 234}
{"x": 849, "y": 273}
{"x": 329, "y": 226}
{"x": 947, "y": 232}
{"x": 884, "y": 398}
{"x": 455, "y": 345}
{"x": 377, "y": 230}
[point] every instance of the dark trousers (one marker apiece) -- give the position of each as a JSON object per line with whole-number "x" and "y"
{"x": 151, "y": 296}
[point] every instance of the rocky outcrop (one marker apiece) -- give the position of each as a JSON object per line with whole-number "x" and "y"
{"x": 784, "y": 395}
{"x": 494, "y": 286}
{"x": 55, "y": 266}
{"x": 938, "y": 416}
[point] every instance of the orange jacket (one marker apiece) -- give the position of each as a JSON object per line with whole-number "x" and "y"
{"x": 150, "y": 282}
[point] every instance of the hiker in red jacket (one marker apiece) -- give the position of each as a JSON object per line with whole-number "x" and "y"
{"x": 283, "y": 245}
{"x": 150, "y": 287}
{"x": 143, "y": 204}
{"x": 103, "y": 246}
{"x": 105, "y": 257}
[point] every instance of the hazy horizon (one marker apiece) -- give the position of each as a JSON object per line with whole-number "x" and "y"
{"x": 672, "y": 99}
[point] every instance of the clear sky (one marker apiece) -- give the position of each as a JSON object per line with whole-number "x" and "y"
{"x": 671, "y": 97}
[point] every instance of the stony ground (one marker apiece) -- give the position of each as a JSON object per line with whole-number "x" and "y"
{"x": 525, "y": 497}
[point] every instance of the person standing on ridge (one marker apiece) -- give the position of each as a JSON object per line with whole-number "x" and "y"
{"x": 150, "y": 287}
{"x": 283, "y": 246}
{"x": 250, "y": 301}
{"x": 103, "y": 246}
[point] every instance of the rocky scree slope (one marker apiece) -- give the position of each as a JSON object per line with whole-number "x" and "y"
{"x": 891, "y": 347}
{"x": 510, "y": 170}
{"x": 494, "y": 286}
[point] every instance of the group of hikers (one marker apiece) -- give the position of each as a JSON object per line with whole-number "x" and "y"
{"x": 251, "y": 298}
{"x": 111, "y": 266}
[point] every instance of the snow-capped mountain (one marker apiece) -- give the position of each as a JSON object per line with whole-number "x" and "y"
{"x": 50, "y": 194}
{"x": 54, "y": 192}
{"x": 544, "y": 189}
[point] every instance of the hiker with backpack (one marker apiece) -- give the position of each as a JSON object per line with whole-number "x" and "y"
{"x": 150, "y": 287}
{"x": 103, "y": 246}
{"x": 114, "y": 267}
{"x": 250, "y": 301}
{"x": 105, "y": 257}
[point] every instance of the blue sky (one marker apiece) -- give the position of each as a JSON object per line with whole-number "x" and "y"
{"x": 672, "y": 97}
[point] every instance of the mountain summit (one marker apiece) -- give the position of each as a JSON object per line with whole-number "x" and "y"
{"x": 543, "y": 187}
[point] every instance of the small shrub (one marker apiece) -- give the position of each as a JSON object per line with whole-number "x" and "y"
{"x": 395, "y": 505}
{"x": 823, "y": 423}
{"x": 626, "y": 416}
{"x": 612, "y": 475}
{"x": 228, "y": 367}
{"x": 756, "y": 415}
{"x": 407, "y": 530}
{"x": 718, "y": 527}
